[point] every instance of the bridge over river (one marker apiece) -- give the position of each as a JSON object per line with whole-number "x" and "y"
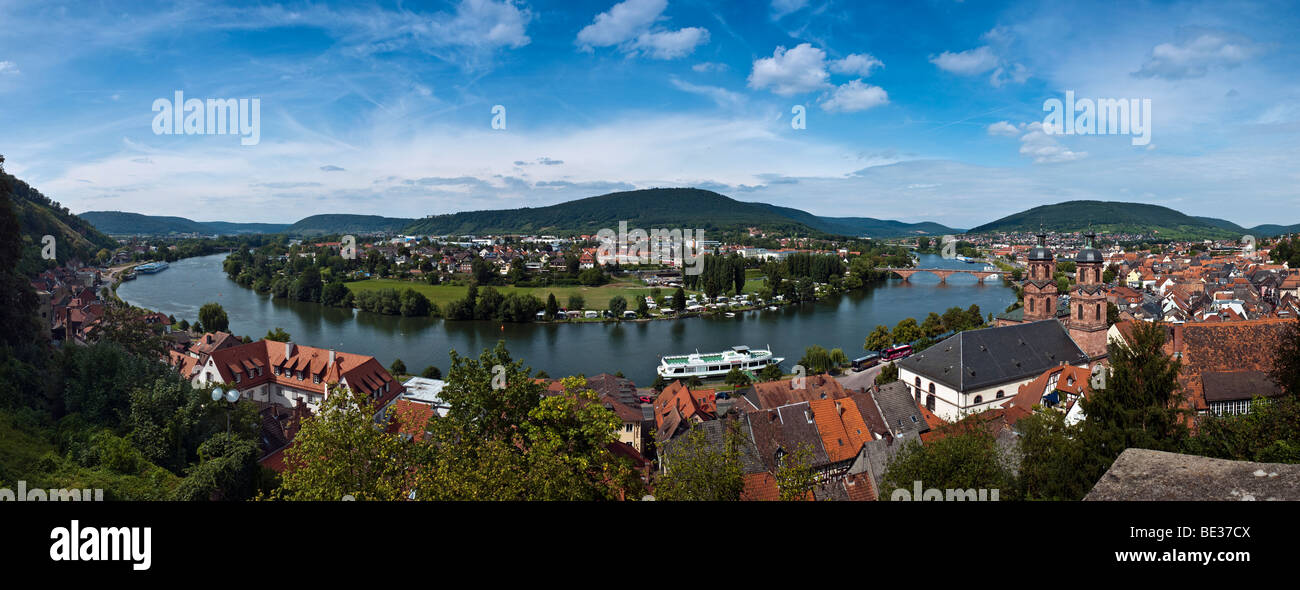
{"x": 943, "y": 273}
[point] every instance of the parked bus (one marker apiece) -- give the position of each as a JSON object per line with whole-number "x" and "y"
{"x": 866, "y": 362}
{"x": 897, "y": 352}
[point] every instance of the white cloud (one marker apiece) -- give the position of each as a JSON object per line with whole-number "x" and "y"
{"x": 1194, "y": 57}
{"x": 709, "y": 66}
{"x": 967, "y": 63}
{"x": 787, "y": 73}
{"x": 1005, "y": 129}
{"x": 855, "y": 96}
{"x": 1044, "y": 148}
{"x": 780, "y": 8}
{"x": 857, "y": 64}
{"x": 484, "y": 23}
{"x": 629, "y": 25}
{"x": 672, "y": 44}
{"x": 721, "y": 96}
{"x": 8, "y": 67}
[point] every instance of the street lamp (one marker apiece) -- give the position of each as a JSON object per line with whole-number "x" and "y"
{"x": 231, "y": 396}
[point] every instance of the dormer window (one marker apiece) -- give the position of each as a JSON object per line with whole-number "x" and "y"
{"x": 236, "y": 377}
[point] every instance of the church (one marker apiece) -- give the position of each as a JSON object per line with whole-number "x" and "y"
{"x": 983, "y": 369}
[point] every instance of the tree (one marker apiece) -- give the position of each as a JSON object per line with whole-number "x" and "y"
{"x": 431, "y": 372}
{"x": 227, "y": 470}
{"x": 932, "y": 326}
{"x": 679, "y": 300}
{"x": 736, "y": 378}
{"x": 213, "y": 317}
{"x": 1140, "y": 403}
{"x": 1286, "y": 360}
{"x": 906, "y": 331}
{"x": 336, "y": 294}
{"x": 617, "y": 305}
{"x": 816, "y": 359}
{"x": 642, "y": 308}
{"x": 699, "y": 470}
{"x": 770, "y": 373}
{"x": 1052, "y": 455}
{"x": 1112, "y": 314}
{"x": 279, "y": 335}
{"x": 795, "y": 477}
{"x": 576, "y": 302}
{"x": 552, "y": 307}
{"x": 879, "y": 339}
{"x": 397, "y": 368}
{"x": 1270, "y": 433}
{"x": 966, "y": 457}
{"x": 339, "y": 452}
{"x": 308, "y": 285}
{"x": 888, "y": 374}
{"x": 126, "y": 327}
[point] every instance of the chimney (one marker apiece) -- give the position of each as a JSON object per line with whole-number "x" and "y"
{"x": 208, "y": 338}
{"x": 331, "y": 359}
{"x": 288, "y": 349}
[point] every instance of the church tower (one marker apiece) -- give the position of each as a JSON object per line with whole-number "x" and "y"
{"x": 1087, "y": 301}
{"x": 1040, "y": 286}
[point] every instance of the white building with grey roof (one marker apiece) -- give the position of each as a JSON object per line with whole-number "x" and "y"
{"x": 977, "y": 370}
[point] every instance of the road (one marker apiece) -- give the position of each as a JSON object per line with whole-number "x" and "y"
{"x": 862, "y": 380}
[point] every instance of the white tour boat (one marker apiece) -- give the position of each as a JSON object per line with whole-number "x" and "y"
{"x": 716, "y": 364}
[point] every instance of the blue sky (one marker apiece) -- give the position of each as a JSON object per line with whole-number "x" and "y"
{"x": 925, "y": 110}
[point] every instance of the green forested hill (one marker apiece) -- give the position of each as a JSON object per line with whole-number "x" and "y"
{"x": 39, "y": 216}
{"x": 344, "y": 223}
{"x": 1110, "y": 217}
{"x": 135, "y": 224}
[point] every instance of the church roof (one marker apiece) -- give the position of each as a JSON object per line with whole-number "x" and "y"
{"x": 976, "y": 359}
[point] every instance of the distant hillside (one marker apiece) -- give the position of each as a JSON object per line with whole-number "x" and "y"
{"x": 135, "y": 224}
{"x": 649, "y": 208}
{"x": 1112, "y": 217}
{"x": 39, "y": 216}
{"x": 862, "y": 226}
{"x": 1269, "y": 230}
{"x": 663, "y": 207}
{"x": 343, "y": 223}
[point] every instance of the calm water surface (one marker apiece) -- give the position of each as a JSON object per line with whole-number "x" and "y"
{"x": 566, "y": 349}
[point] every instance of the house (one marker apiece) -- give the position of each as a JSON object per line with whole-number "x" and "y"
{"x": 977, "y": 370}
{"x": 1059, "y": 388}
{"x": 286, "y": 374}
{"x": 677, "y": 407}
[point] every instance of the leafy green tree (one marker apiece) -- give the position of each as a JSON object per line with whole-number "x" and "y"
{"x": 213, "y": 317}
{"x": 906, "y": 331}
{"x": 340, "y": 452}
{"x": 879, "y": 339}
{"x": 770, "y": 373}
{"x": 431, "y": 372}
{"x": 795, "y": 477}
{"x": 278, "y": 335}
{"x": 736, "y": 378}
{"x": 816, "y": 359}
{"x": 968, "y": 457}
{"x": 552, "y": 307}
{"x": 1051, "y": 456}
{"x": 679, "y": 300}
{"x": 397, "y": 368}
{"x": 576, "y": 302}
{"x": 888, "y": 374}
{"x": 617, "y": 305}
{"x": 642, "y": 308}
{"x": 227, "y": 470}
{"x": 336, "y": 294}
{"x": 696, "y": 469}
{"x": 1270, "y": 433}
{"x": 1286, "y": 360}
{"x": 932, "y": 326}
{"x": 1139, "y": 405}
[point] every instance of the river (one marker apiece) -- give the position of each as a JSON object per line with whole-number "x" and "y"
{"x": 566, "y": 349}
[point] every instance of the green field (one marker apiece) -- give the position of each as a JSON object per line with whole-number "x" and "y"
{"x": 594, "y": 297}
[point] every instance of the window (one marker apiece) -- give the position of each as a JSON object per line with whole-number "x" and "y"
{"x": 236, "y": 377}
{"x": 1000, "y": 394}
{"x": 932, "y": 388}
{"x": 929, "y": 402}
{"x": 979, "y": 399}
{"x": 1080, "y": 311}
{"x": 1097, "y": 316}
{"x": 1031, "y": 304}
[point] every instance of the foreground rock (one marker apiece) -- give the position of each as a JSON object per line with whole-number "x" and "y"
{"x": 1139, "y": 474}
